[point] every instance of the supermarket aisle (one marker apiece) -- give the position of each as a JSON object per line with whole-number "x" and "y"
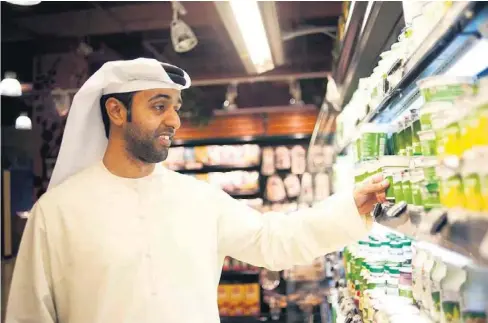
{"x": 7, "y": 270}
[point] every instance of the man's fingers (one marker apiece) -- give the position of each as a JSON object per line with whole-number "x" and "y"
{"x": 376, "y": 187}
{"x": 377, "y": 178}
{"x": 381, "y": 197}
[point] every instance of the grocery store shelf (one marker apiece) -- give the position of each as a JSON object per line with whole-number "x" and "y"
{"x": 453, "y": 36}
{"x": 240, "y": 319}
{"x": 218, "y": 169}
{"x": 266, "y": 140}
{"x": 230, "y": 274}
{"x": 453, "y": 239}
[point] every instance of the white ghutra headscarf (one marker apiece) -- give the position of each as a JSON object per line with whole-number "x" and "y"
{"x": 84, "y": 141}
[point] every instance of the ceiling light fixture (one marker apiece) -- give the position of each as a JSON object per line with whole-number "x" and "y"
{"x": 23, "y": 2}
{"x": 23, "y": 122}
{"x": 230, "y": 98}
{"x": 10, "y": 86}
{"x": 182, "y": 36}
{"x": 244, "y": 23}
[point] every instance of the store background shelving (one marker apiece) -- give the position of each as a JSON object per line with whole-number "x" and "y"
{"x": 457, "y": 32}
{"x": 458, "y": 38}
{"x": 456, "y": 46}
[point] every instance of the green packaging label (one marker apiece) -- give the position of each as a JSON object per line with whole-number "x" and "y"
{"x": 416, "y": 147}
{"x": 398, "y": 191}
{"x": 407, "y": 192}
{"x": 436, "y": 301}
{"x": 405, "y": 292}
{"x": 446, "y": 92}
{"x": 430, "y": 174}
{"x": 474, "y": 317}
{"x": 426, "y": 121}
{"x": 452, "y": 312}
{"x": 416, "y": 194}
{"x": 390, "y": 191}
{"x": 428, "y": 147}
{"x": 430, "y": 195}
{"x": 369, "y": 146}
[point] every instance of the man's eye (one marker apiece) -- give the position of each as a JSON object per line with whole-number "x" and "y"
{"x": 159, "y": 107}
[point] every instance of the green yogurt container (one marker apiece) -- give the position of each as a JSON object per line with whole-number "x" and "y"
{"x": 430, "y": 187}
{"x": 416, "y": 128}
{"x": 398, "y": 186}
{"x": 389, "y": 166}
{"x": 428, "y": 143}
{"x": 407, "y": 187}
{"x": 372, "y": 141}
{"x": 445, "y": 88}
{"x": 416, "y": 180}
{"x": 429, "y": 111}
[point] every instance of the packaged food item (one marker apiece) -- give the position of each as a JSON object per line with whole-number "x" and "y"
{"x": 392, "y": 280}
{"x": 292, "y": 185}
{"x": 268, "y": 164}
{"x": 407, "y": 187}
{"x": 474, "y": 295}
{"x": 214, "y": 154}
{"x": 398, "y": 186}
{"x": 252, "y": 299}
{"x": 471, "y": 179}
{"x": 176, "y": 158}
{"x": 431, "y": 110}
{"x": 438, "y": 273}
{"x": 417, "y": 283}
{"x": 306, "y": 194}
{"x": 451, "y": 188}
{"x": 408, "y": 135}
{"x": 451, "y": 295}
{"x": 445, "y": 88}
{"x": 426, "y": 283}
{"x": 428, "y": 143}
{"x": 430, "y": 189}
{"x": 224, "y": 302}
{"x": 396, "y": 254}
{"x": 282, "y": 158}
{"x": 322, "y": 186}
{"x": 252, "y": 155}
{"x": 298, "y": 160}
{"x": 416, "y": 180}
{"x": 390, "y": 165}
{"x": 448, "y": 133}
{"x": 275, "y": 189}
{"x": 405, "y": 283}
{"x": 416, "y": 128}
{"x": 372, "y": 141}
{"x": 201, "y": 155}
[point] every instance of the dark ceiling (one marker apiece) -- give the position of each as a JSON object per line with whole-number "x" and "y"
{"x": 124, "y": 26}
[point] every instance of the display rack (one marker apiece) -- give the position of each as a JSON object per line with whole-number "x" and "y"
{"x": 244, "y": 276}
{"x": 452, "y": 41}
{"x": 454, "y": 35}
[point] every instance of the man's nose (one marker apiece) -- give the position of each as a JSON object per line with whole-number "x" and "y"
{"x": 172, "y": 119}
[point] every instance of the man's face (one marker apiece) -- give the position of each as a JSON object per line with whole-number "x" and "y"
{"x": 154, "y": 122}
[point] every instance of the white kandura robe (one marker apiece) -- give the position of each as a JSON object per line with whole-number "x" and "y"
{"x": 100, "y": 248}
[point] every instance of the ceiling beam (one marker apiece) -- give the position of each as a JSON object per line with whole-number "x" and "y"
{"x": 260, "y": 78}
{"x": 148, "y": 16}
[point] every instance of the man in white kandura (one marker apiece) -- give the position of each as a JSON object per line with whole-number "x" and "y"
{"x": 119, "y": 238}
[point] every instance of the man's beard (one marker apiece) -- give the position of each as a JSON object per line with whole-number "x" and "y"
{"x": 141, "y": 145}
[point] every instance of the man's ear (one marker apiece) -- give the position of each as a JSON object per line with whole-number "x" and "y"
{"x": 116, "y": 111}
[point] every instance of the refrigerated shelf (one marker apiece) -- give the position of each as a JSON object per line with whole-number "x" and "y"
{"x": 459, "y": 31}
{"x": 456, "y": 46}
